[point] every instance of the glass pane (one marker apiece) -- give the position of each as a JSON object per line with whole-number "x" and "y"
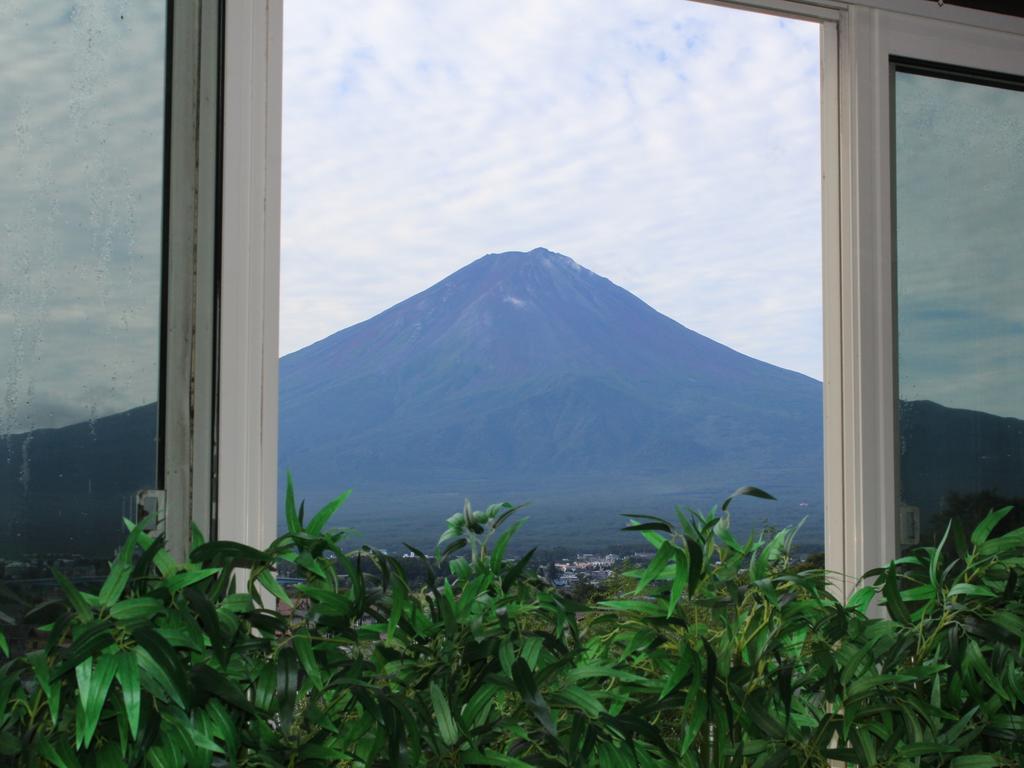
{"x": 551, "y": 256}
{"x": 81, "y": 200}
{"x": 959, "y": 165}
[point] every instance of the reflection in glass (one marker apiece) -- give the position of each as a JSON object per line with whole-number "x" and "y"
{"x": 81, "y": 177}
{"x": 959, "y": 243}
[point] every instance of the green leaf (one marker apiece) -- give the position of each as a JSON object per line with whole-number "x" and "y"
{"x": 40, "y": 667}
{"x": 679, "y": 580}
{"x": 75, "y": 598}
{"x": 512, "y": 575}
{"x": 9, "y": 745}
{"x": 136, "y": 608}
{"x": 128, "y": 678}
{"x": 223, "y": 552}
{"x": 525, "y": 683}
{"x": 652, "y": 526}
{"x": 266, "y": 577}
{"x": 102, "y": 675}
{"x": 115, "y": 583}
{"x": 320, "y": 519}
{"x": 974, "y": 590}
{"x": 266, "y": 682}
{"x": 197, "y": 536}
{"x": 210, "y": 680}
{"x": 656, "y": 566}
{"x": 490, "y": 757}
{"x": 443, "y": 714}
{"x": 399, "y": 593}
{"x": 179, "y": 581}
{"x": 976, "y": 661}
{"x": 304, "y": 649}
{"x": 638, "y": 606}
{"x": 678, "y": 673}
{"x": 976, "y": 761}
{"x": 83, "y": 677}
{"x": 696, "y": 558}
{"x": 759, "y": 568}
{"x": 864, "y": 745}
{"x": 153, "y": 551}
{"x": 579, "y": 698}
{"x": 287, "y": 684}
{"x": 294, "y": 526}
{"x": 861, "y": 599}
{"x": 654, "y": 539}
{"x": 506, "y": 656}
{"x": 475, "y": 712}
{"x": 1009, "y": 621}
{"x": 893, "y": 601}
{"x": 65, "y": 758}
{"x": 747, "y": 490}
{"x": 499, "y": 549}
{"x": 159, "y": 659}
{"x": 239, "y": 602}
{"x": 984, "y": 529}
{"x": 915, "y": 594}
{"x": 933, "y": 561}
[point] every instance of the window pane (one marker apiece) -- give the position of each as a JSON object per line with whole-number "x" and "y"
{"x": 959, "y": 176}
{"x": 81, "y": 179}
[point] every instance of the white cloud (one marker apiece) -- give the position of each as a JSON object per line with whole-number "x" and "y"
{"x": 670, "y": 146}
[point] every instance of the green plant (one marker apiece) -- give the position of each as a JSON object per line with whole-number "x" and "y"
{"x": 717, "y": 653}
{"x": 744, "y": 660}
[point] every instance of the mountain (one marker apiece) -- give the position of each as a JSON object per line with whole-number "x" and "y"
{"x": 521, "y": 377}
{"x": 527, "y": 377}
{"x": 962, "y": 462}
{"x": 66, "y": 490}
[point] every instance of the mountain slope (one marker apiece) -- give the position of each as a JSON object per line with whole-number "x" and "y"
{"x": 955, "y": 461}
{"x": 68, "y": 490}
{"x": 526, "y": 373}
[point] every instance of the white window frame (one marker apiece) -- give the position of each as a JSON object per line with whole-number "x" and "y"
{"x": 192, "y": 169}
{"x": 948, "y": 36}
{"x": 246, "y": 506}
{"x": 858, "y": 38}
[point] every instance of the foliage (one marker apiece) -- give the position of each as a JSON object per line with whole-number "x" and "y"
{"x": 717, "y": 653}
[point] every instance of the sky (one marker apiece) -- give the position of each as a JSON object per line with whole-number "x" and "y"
{"x": 671, "y": 146}
{"x": 81, "y": 175}
{"x": 960, "y": 243}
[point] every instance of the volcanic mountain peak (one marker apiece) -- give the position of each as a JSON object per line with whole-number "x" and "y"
{"x": 497, "y": 274}
{"x": 526, "y": 372}
{"x": 539, "y": 255}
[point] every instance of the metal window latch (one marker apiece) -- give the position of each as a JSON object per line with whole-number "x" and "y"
{"x": 910, "y": 525}
{"x": 151, "y": 509}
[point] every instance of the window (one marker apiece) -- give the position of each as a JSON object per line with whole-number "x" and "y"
{"x": 884, "y": 254}
{"x": 81, "y": 282}
{"x": 109, "y": 187}
{"x": 958, "y": 238}
{"x": 546, "y": 254}
{"x": 221, "y": 241}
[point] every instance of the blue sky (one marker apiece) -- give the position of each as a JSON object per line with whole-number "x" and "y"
{"x": 671, "y": 146}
